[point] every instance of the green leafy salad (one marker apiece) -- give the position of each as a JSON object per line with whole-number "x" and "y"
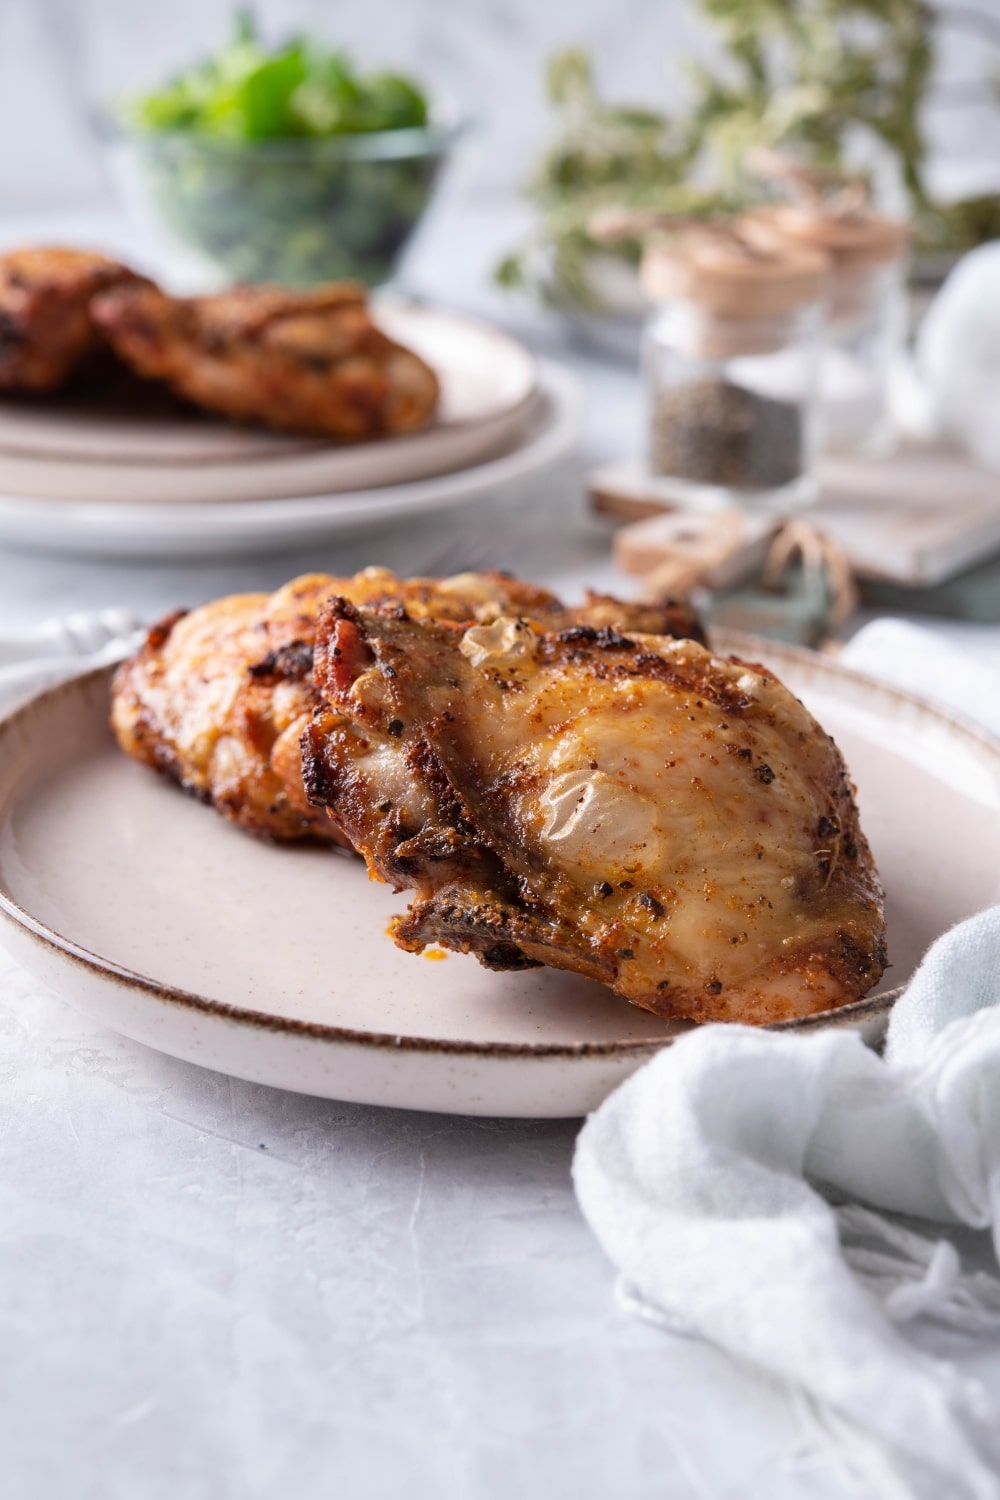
{"x": 286, "y": 163}
{"x": 249, "y": 93}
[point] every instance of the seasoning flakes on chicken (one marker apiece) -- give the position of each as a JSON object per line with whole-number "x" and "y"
{"x": 218, "y": 698}
{"x": 302, "y": 361}
{"x": 46, "y": 330}
{"x": 630, "y": 807}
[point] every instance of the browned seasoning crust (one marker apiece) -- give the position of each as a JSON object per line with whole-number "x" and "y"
{"x": 303, "y": 361}
{"x": 46, "y": 329}
{"x": 670, "y": 823}
{"x": 217, "y": 698}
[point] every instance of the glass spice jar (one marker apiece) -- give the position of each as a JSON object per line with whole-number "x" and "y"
{"x": 730, "y": 360}
{"x": 866, "y": 314}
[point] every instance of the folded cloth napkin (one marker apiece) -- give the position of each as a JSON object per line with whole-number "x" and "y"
{"x": 749, "y": 1186}
{"x": 44, "y": 654}
{"x": 914, "y": 658}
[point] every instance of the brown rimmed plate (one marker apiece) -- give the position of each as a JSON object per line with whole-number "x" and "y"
{"x": 126, "y": 446}
{"x": 145, "y": 910}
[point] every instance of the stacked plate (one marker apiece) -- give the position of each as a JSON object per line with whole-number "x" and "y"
{"x": 123, "y": 476}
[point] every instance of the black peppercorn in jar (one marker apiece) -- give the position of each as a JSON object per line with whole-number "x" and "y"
{"x": 730, "y": 357}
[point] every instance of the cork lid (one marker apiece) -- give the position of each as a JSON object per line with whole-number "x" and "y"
{"x": 846, "y": 228}
{"x": 732, "y": 275}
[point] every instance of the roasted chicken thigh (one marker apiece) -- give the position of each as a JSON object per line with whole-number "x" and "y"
{"x": 305, "y": 361}
{"x": 46, "y": 329}
{"x": 631, "y": 807}
{"x": 218, "y": 698}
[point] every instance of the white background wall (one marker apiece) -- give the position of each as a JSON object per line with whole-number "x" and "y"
{"x": 57, "y": 57}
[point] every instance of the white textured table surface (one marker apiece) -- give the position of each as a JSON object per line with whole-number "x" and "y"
{"x": 211, "y": 1290}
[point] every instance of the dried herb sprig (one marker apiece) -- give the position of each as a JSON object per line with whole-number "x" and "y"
{"x": 804, "y": 75}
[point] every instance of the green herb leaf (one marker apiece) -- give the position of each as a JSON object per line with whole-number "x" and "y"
{"x": 247, "y": 92}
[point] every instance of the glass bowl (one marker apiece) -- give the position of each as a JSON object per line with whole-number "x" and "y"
{"x": 297, "y": 211}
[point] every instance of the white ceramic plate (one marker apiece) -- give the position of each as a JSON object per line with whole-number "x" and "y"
{"x": 148, "y": 912}
{"x": 155, "y": 454}
{"x": 546, "y": 430}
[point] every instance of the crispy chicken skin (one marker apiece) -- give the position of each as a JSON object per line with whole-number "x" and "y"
{"x": 302, "y": 361}
{"x": 46, "y": 330}
{"x": 634, "y": 808}
{"x": 218, "y": 698}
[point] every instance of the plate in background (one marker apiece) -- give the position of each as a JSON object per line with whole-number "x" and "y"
{"x": 137, "y": 446}
{"x": 272, "y": 963}
{"x": 546, "y": 431}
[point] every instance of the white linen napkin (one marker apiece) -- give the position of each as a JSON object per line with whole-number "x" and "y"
{"x": 43, "y": 654}
{"x": 748, "y": 1185}
{"x": 914, "y": 658}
